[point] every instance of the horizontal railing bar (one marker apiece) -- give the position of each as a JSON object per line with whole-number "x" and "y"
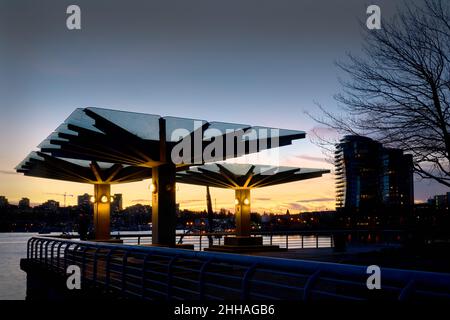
{"x": 279, "y": 285}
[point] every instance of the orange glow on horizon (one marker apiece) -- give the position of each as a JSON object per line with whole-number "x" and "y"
{"x": 308, "y": 195}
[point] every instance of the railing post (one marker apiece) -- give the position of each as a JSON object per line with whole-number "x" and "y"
{"x": 287, "y": 241}
{"x": 201, "y": 278}
{"x": 169, "y": 277}
{"x": 94, "y": 271}
{"x": 83, "y": 265}
{"x": 317, "y": 241}
{"x": 51, "y": 254}
{"x": 41, "y": 251}
{"x": 245, "y": 286}
{"x": 144, "y": 275}
{"x": 65, "y": 256}
{"x": 200, "y": 246}
{"x": 59, "y": 253}
{"x": 309, "y": 285}
{"x": 271, "y": 238}
{"x": 406, "y": 292}
{"x": 124, "y": 266}
{"x": 303, "y": 246}
{"x": 46, "y": 252}
{"x": 28, "y": 247}
{"x": 107, "y": 269}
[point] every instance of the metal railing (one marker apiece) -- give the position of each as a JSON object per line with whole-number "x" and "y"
{"x": 295, "y": 239}
{"x": 175, "y": 274}
{"x": 200, "y": 240}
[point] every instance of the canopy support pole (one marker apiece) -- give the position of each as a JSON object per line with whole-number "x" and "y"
{"x": 102, "y": 211}
{"x": 163, "y": 205}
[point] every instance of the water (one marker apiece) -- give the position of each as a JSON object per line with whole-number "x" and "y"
{"x": 13, "y": 247}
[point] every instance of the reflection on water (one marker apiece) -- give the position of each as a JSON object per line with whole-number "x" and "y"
{"x": 13, "y": 247}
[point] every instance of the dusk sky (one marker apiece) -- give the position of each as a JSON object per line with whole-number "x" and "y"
{"x": 261, "y": 62}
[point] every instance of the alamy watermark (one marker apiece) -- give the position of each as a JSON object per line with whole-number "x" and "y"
{"x": 74, "y": 279}
{"x": 373, "y": 22}
{"x": 213, "y": 145}
{"x": 374, "y": 280}
{"x": 73, "y": 21}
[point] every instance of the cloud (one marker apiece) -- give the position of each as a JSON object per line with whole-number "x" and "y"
{"x": 316, "y": 200}
{"x": 262, "y": 199}
{"x": 312, "y": 158}
{"x": 191, "y": 201}
{"x": 7, "y": 172}
{"x": 296, "y": 206}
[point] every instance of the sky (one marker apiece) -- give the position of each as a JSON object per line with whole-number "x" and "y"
{"x": 264, "y": 62}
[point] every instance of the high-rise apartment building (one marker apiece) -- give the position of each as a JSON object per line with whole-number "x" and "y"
{"x": 372, "y": 180}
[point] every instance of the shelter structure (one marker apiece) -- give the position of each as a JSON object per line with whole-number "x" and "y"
{"x": 100, "y": 174}
{"x": 132, "y": 140}
{"x": 242, "y": 178}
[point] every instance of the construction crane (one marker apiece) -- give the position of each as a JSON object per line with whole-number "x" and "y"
{"x": 65, "y": 195}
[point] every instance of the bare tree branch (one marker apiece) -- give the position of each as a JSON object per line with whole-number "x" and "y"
{"x": 399, "y": 90}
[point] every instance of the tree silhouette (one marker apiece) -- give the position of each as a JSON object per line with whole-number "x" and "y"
{"x": 398, "y": 91}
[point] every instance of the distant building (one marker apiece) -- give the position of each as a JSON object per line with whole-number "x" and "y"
{"x": 83, "y": 199}
{"x": 371, "y": 179}
{"x": 138, "y": 209}
{"x": 24, "y": 203}
{"x": 3, "y": 202}
{"x": 84, "y": 202}
{"x": 440, "y": 201}
{"x": 117, "y": 203}
{"x": 397, "y": 185}
{"x": 50, "y": 205}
